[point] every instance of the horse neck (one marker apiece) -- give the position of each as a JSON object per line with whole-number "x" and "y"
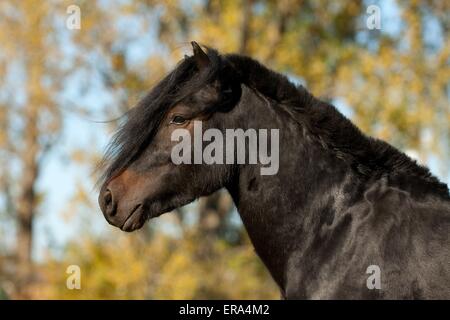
{"x": 281, "y": 212}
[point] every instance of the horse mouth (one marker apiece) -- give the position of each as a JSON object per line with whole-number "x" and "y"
{"x": 135, "y": 220}
{"x": 143, "y": 212}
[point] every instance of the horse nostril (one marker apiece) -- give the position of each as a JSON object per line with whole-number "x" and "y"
{"x": 108, "y": 201}
{"x": 107, "y": 197}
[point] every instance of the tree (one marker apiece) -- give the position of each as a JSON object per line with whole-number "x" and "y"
{"x": 31, "y": 119}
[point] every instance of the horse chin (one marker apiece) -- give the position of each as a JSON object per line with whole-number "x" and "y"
{"x": 141, "y": 214}
{"x": 135, "y": 221}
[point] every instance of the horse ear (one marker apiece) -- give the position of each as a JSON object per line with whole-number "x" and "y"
{"x": 200, "y": 57}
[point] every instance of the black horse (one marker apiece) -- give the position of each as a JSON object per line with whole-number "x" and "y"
{"x": 341, "y": 206}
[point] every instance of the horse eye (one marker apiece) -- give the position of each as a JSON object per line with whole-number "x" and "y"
{"x": 178, "y": 120}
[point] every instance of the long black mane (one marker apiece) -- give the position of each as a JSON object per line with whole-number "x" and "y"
{"x": 320, "y": 121}
{"x": 142, "y": 122}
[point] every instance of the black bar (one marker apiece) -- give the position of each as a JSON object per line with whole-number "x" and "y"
{"x": 232, "y": 309}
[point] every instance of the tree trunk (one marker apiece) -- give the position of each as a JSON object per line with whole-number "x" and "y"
{"x": 27, "y": 202}
{"x": 245, "y": 26}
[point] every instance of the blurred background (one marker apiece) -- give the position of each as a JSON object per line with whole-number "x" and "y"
{"x": 58, "y": 86}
